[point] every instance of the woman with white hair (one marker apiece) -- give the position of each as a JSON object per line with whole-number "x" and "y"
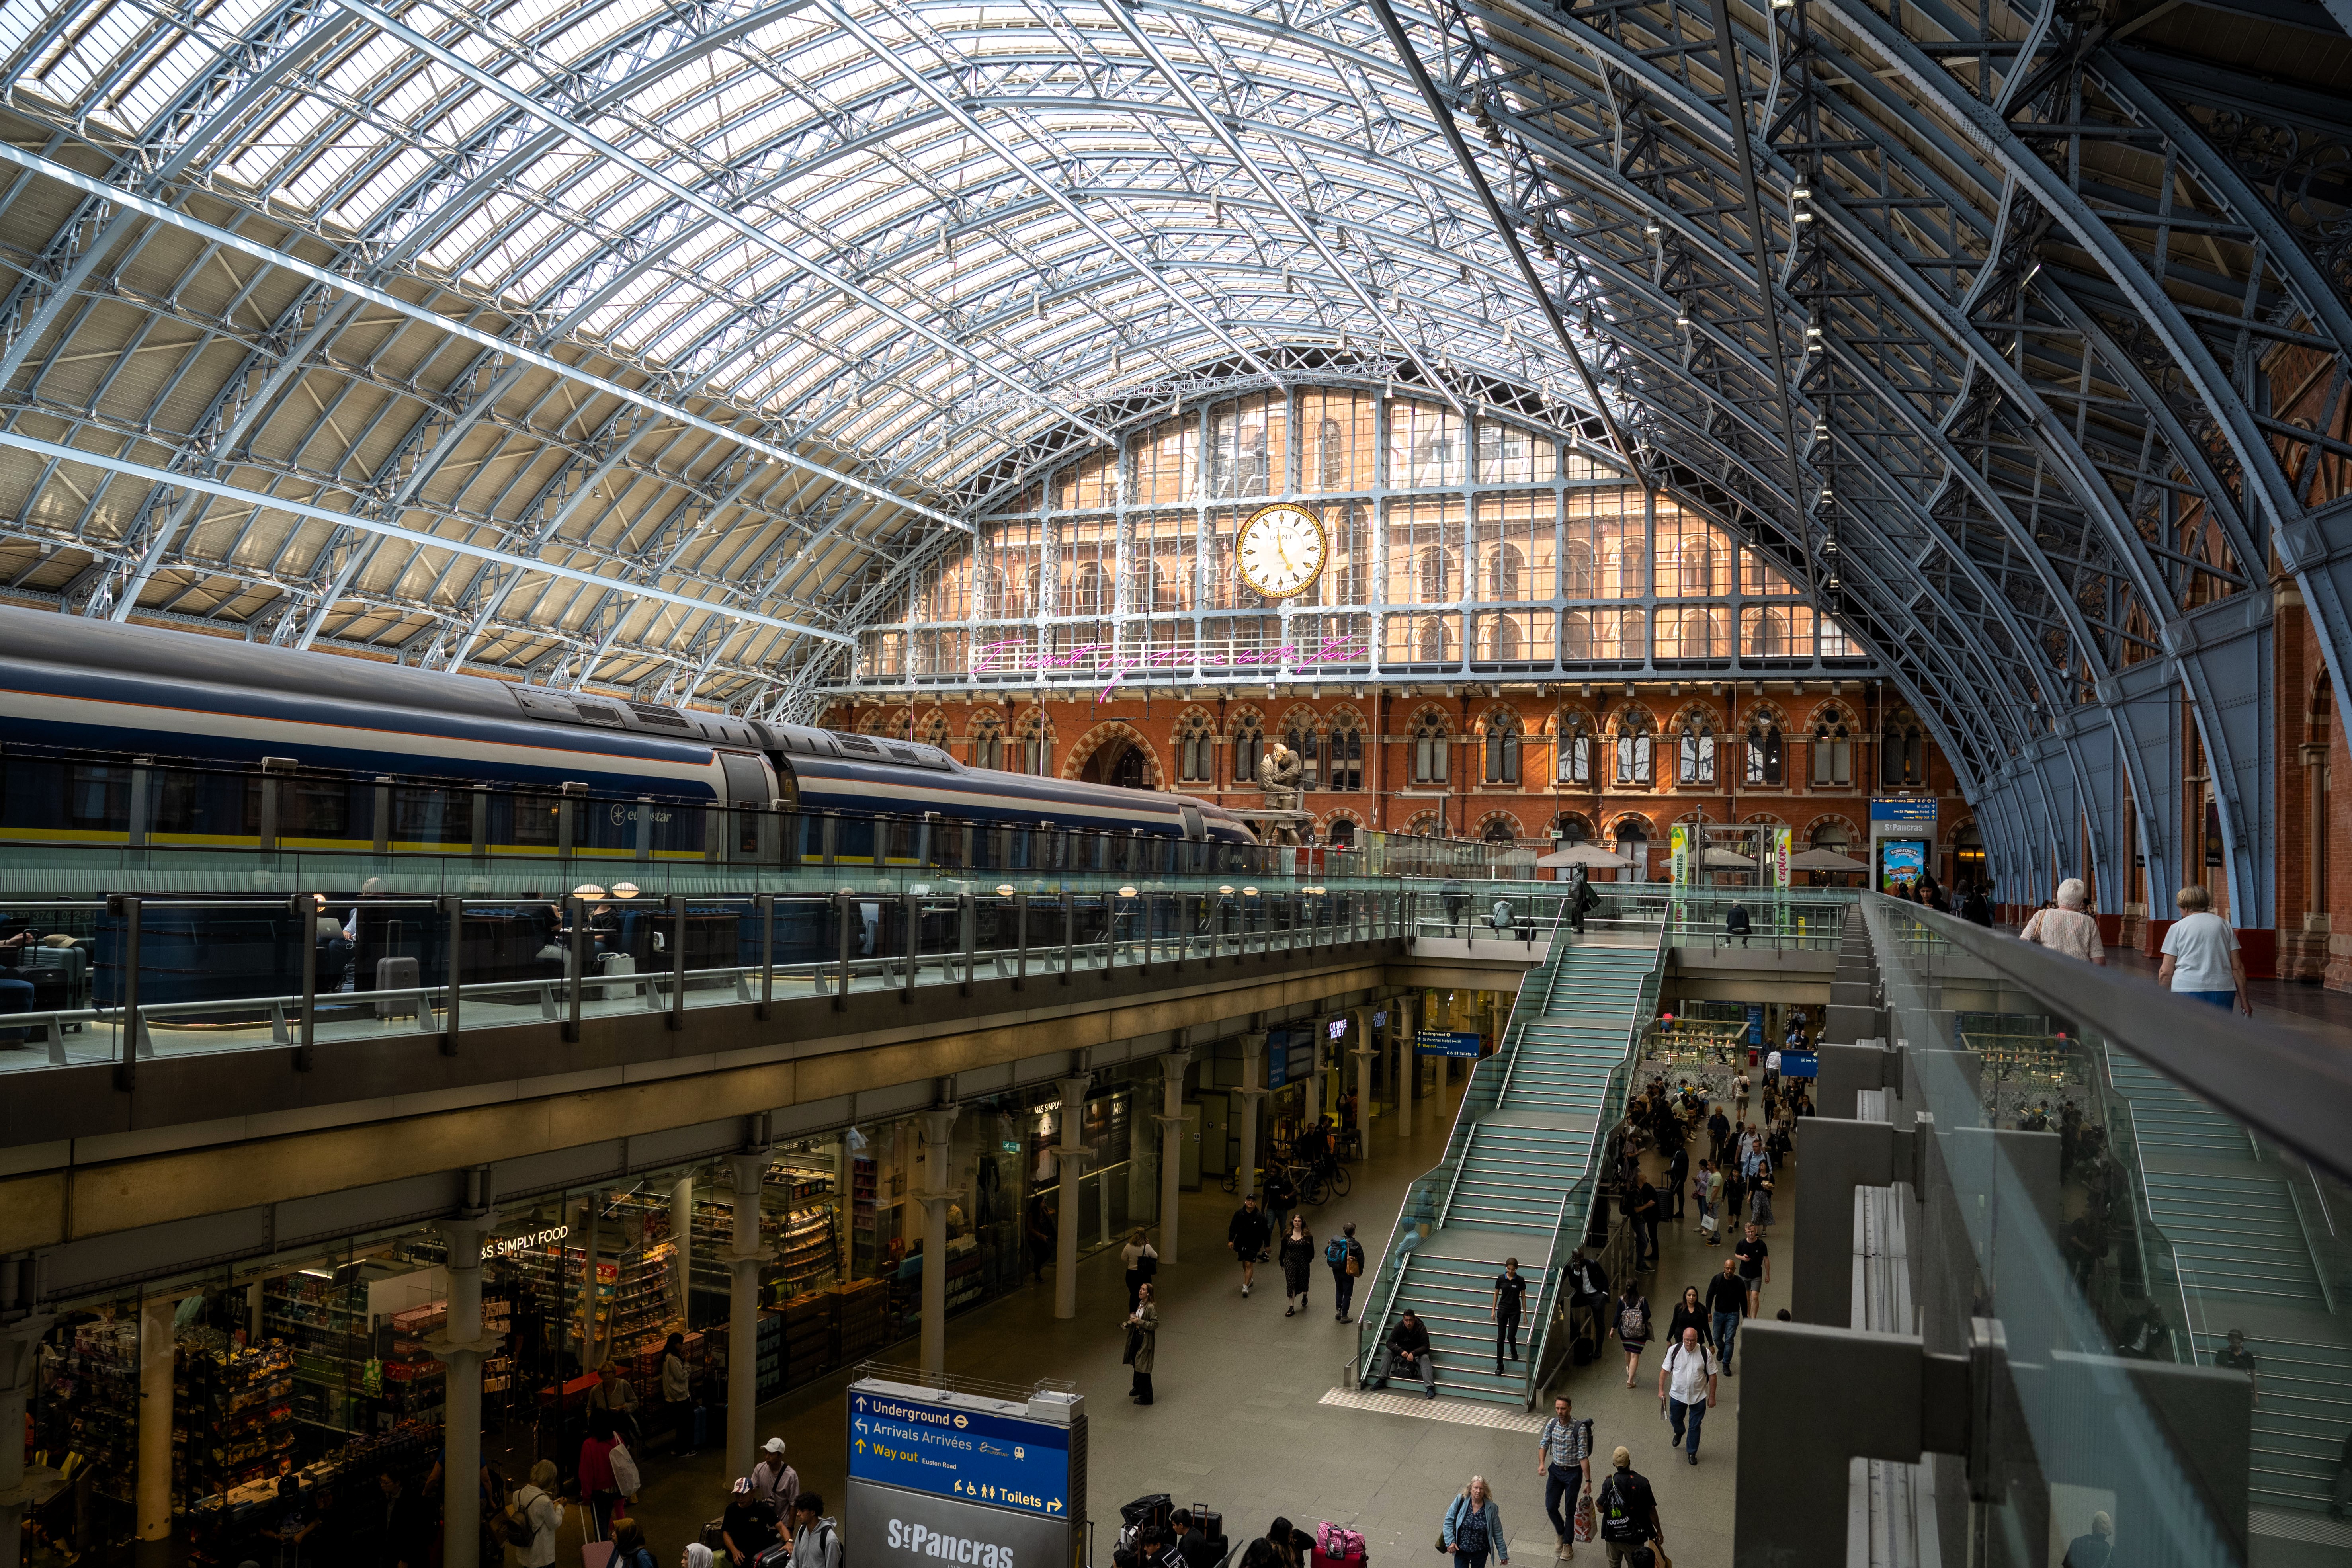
{"x": 2202, "y": 961}
{"x": 1472, "y": 1529}
{"x": 2070, "y": 928}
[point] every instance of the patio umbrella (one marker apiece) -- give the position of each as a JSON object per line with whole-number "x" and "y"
{"x": 1583, "y": 853}
{"x": 1825, "y": 860}
{"x": 1718, "y": 858}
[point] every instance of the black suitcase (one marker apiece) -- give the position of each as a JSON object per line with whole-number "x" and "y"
{"x": 1210, "y": 1525}
{"x": 714, "y": 1536}
{"x": 1152, "y": 1507}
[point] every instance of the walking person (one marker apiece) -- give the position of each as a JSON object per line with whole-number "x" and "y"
{"x": 1755, "y": 1266}
{"x": 629, "y": 1548}
{"x": 533, "y": 1505}
{"x": 1642, "y": 1211}
{"x": 1037, "y": 1227}
{"x": 1503, "y": 1311}
{"x": 1142, "y": 1261}
{"x": 815, "y": 1542}
{"x": 1246, "y": 1235}
{"x": 775, "y": 1480}
{"x": 1298, "y": 1261}
{"x": 1142, "y": 1343}
{"x": 1715, "y": 1202}
{"x": 1473, "y": 1528}
{"x": 1690, "y": 1312}
{"x": 1726, "y": 1304}
{"x": 1718, "y": 1132}
{"x": 598, "y": 1489}
{"x": 1345, "y": 1255}
{"x": 2202, "y": 961}
{"x": 677, "y": 1396}
{"x": 1633, "y": 1328}
{"x": 1677, "y": 1176}
{"x": 1564, "y": 1464}
{"x": 1760, "y": 1198}
{"x": 2071, "y": 928}
{"x": 1703, "y": 1193}
{"x": 1686, "y": 1386}
{"x": 1628, "y": 1509}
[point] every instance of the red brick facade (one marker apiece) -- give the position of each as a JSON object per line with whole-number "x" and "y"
{"x": 1399, "y": 728}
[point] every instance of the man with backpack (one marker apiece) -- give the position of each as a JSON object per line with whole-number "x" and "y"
{"x": 817, "y": 1542}
{"x": 1628, "y": 1512}
{"x": 1246, "y": 1235}
{"x": 1564, "y": 1463}
{"x": 1345, "y": 1256}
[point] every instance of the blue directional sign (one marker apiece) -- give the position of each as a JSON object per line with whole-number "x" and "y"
{"x": 926, "y": 1446}
{"x": 1800, "y": 1064}
{"x": 1447, "y": 1043}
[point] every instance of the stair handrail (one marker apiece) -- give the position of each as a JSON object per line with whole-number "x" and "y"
{"x": 1610, "y": 1111}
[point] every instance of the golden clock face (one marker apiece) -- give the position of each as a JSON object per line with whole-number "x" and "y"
{"x": 1281, "y": 550}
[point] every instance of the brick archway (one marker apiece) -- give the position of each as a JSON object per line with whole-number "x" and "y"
{"x": 1104, "y": 735}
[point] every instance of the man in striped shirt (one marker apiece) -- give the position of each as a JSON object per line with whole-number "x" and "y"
{"x": 1564, "y": 1460}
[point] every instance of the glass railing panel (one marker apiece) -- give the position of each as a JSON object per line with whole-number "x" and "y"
{"x": 2121, "y": 1178}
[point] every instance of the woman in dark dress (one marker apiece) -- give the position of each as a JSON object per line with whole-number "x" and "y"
{"x": 1298, "y": 1264}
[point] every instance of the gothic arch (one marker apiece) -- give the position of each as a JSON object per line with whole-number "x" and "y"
{"x": 1116, "y": 738}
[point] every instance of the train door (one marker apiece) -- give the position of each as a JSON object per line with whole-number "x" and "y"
{"x": 750, "y": 797}
{"x": 1196, "y": 831}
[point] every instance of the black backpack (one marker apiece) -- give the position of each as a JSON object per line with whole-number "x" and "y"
{"x": 1617, "y": 1521}
{"x": 520, "y": 1531}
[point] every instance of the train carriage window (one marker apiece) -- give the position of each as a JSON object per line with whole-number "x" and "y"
{"x": 306, "y": 808}
{"x": 97, "y": 797}
{"x": 534, "y": 819}
{"x": 190, "y": 802}
{"x": 427, "y": 816}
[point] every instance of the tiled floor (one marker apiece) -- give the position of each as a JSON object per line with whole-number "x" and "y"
{"x": 1241, "y": 1420}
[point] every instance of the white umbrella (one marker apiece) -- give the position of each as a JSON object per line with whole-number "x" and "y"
{"x": 1583, "y": 853}
{"x": 1825, "y": 860}
{"x": 1718, "y": 858}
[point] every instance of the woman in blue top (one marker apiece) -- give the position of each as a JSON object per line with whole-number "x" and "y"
{"x": 1474, "y": 1527}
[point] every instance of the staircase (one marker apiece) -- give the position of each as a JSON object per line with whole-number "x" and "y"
{"x": 1522, "y": 1155}
{"x": 2235, "y": 1217}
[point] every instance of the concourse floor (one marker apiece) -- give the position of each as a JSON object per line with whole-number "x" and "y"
{"x": 1250, "y": 1418}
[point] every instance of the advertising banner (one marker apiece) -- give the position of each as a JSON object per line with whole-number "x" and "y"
{"x": 1901, "y": 861}
{"x": 1776, "y": 851}
{"x": 1678, "y": 854}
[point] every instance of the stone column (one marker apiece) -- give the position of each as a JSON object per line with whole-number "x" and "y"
{"x": 938, "y": 1138}
{"x": 681, "y": 1237}
{"x": 1364, "y": 1049}
{"x": 460, "y": 1347}
{"x": 743, "y": 1312}
{"x": 1251, "y": 1090}
{"x": 1408, "y": 1064}
{"x": 153, "y": 1483}
{"x": 1070, "y": 1160}
{"x": 1172, "y": 1149}
{"x": 22, "y": 1488}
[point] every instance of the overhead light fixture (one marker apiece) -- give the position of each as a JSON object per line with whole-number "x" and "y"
{"x": 1041, "y": 304}
{"x": 1650, "y": 227}
{"x": 1217, "y": 213}
{"x": 1682, "y": 316}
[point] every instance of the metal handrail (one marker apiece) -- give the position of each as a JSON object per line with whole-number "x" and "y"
{"x": 1611, "y": 1111}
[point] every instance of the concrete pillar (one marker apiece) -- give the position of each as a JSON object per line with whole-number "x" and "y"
{"x": 21, "y": 1487}
{"x": 1172, "y": 1149}
{"x": 1363, "y": 1048}
{"x": 154, "y": 1486}
{"x": 681, "y": 1235}
{"x": 460, "y": 1347}
{"x": 1251, "y": 1090}
{"x": 1070, "y": 1158}
{"x": 743, "y": 1312}
{"x": 1408, "y": 1066}
{"x": 939, "y": 1139}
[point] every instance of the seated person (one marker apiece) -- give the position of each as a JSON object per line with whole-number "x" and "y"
{"x": 16, "y": 995}
{"x": 1409, "y": 1350}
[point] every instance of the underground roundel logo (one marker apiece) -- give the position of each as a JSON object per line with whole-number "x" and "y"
{"x": 1280, "y": 549}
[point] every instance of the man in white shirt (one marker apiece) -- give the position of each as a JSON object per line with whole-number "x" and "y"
{"x": 1686, "y": 1386}
{"x": 775, "y": 1480}
{"x": 2202, "y": 961}
{"x": 1772, "y": 1070}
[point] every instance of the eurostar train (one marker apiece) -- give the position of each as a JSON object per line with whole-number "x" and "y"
{"x": 116, "y": 735}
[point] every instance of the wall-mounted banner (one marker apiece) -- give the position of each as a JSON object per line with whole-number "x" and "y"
{"x": 1678, "y": 854}
{"x": 1447, "y": 1043}
{"x": 1776, "y": 851}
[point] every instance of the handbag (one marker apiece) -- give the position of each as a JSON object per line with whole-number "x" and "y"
{"x": 1355, "y": 1261}
{"x": 1585, "y": 1527}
